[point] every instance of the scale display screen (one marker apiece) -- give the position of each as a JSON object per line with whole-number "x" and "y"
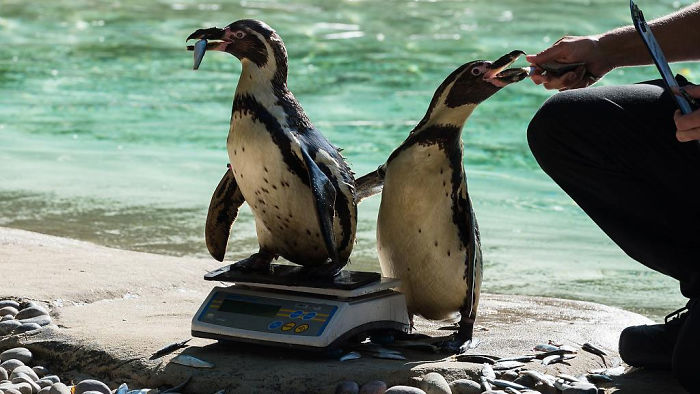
{"x": 249, "y": 308}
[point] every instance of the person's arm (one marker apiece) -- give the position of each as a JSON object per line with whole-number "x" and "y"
{"x": 678, "y": 35}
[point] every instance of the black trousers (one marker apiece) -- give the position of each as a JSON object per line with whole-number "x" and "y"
{"x": 614, "y": 151}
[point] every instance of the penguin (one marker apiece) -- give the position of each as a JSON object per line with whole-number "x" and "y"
{"x": 297, "y": 184}
{"x": 427, "y": 234}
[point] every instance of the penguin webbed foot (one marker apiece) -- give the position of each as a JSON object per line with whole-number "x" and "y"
{"x": 328, "y": 270}
{"x": 258, "y": 262}
{"x": 462, "y": 340}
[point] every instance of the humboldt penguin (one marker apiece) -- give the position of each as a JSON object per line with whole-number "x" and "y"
{"x": 427, "y": 234}
{"x": 296, "y": 183}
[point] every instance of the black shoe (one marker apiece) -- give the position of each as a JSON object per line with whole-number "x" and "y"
{"x": 651, "y": 346}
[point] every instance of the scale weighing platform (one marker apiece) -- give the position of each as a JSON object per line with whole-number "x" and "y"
{"x": 284, "y": 307}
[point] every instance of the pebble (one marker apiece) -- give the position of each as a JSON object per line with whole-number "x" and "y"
{"x": 12, "y": 391}
{"x": 44, "y": 383}
{"x": 434, "y": 383}
{"x": 7, "y": 317}
{"x": 24, "y": 378}
{"x": 24, "y": 388}
{"x": 43, "y": 320}
{"x": 31, "y": 311}
{"x": 45, "y": 390}
{"x": 26, "y": 327}
{"x": 59, "y": 388}
{"x": 40, "y": 371}
{"x": 53, "y": 378}
{"x": 19, "y": 353}
{"x": 509, "y": 375}
{"x": 4, "y": 303}
{"x": 525, "y": 380}
{"x": 92, "y": 385}
{"x": 465, "y": 386}
{"x": 373, "y": 387}
{"x": 8, "y": 310}
{"x": 8, "y": 326}
{"x": 10, "y": 365}
{"x": 404, "y": 390}
{"x": 25, "y": 370}
{"x": 3, "y": 374}
{"x": 347, "y": 387}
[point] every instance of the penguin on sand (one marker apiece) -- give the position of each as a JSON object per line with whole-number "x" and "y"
{"x": 296, "y": 183}
{"x": 427, "y": 235}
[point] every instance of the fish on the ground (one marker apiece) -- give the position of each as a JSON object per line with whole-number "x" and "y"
{"x": 191, "y": 361}
{"x": 169, "y": 349}
{"x": 350, "y": 356}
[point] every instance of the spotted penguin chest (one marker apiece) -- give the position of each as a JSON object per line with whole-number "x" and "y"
{"x": 418, "y": 239}
{"x": 286, "y": 221}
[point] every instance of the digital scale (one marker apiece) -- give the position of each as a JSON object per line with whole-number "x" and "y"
{"x": 285, "y": 307}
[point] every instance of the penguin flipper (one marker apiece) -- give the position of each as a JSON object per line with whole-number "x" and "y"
{"x": 370, "y": 184}
{"x": 324, "y": 199}
{"x": 223, "y": 209}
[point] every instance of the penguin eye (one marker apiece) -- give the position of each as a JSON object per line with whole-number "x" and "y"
{"x": 239, "y": 34}
{"x": 476, "y": 72}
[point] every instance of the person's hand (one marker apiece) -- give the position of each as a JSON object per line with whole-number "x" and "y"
{"x": 571, "y": 50}
{"x": 688, "y": 126}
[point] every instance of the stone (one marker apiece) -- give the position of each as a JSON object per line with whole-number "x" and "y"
{"x": 52, "y": 378}
{"x": 347, "y": 387}
{"x": 25, "y": 370}
{"x": 45, "y": 390}
{"x": 44, "y": 383}
{"x": 40, "y": 371}
{"x": 24, "y": 378}
{"x": 24, "y": 388}
{"x": 42, "y": 320}
{"x": 8, "y": 310}
{"x": 8, "y": 326}
{"x": 12, "y": 391}
{"x": 31, "y": 311}
{"x": 509, "y": 375}
{"x": 434, "y": 383}
{"x": 373, "y": 387}
{"x": 19, "y": 353}
{"x": 26, "y": 327}
{"x": 525, "y": 380}
{"x": 4, "y": 303}
{"x": 404, "y": 390}
{"x": 3, "y": 374}
{"x": 465, "y": 386}
{"x": 10, "y": 365}
{"x": 92, "y": 385}
{"x": 59, "y": 388}
{"x": 6, "y": 318}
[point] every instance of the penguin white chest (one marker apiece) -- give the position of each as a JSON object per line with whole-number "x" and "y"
{"x": 417, "y": 238}
{"x": 286, "y": 222}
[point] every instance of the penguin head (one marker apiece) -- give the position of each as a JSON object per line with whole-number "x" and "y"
{"x": 251, "y": 41}
{"x": 476, "y": 81}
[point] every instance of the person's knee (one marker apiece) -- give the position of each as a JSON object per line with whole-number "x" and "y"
{"x": 544, "y": 130}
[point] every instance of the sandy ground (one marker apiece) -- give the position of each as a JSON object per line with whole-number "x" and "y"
{"x": 114, "y": 308}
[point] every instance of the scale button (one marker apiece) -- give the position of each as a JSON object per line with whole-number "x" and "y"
{"x": 317, "y": 307}
{"x": 296, "y": 314}
{"x": 288, "y": 326}
{"x": 301, "y": 328}
{"x": 301, "y": 306}
{"x": 274, "y": 325}
{"x": 309, "y": 316}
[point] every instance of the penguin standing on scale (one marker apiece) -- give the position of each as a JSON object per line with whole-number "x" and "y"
{"x": 296, "y": 183}
{"x": 427, "y": 234}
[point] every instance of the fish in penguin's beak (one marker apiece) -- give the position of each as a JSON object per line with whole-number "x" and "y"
{"x": 211, "y": 39}
{"x": 500, "y": 76}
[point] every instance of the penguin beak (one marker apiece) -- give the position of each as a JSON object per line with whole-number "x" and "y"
{"x": 499, "y": 76}
{"x": 203, "y": 45}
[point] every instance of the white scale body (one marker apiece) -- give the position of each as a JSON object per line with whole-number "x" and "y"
{"x": 298, "y": 316}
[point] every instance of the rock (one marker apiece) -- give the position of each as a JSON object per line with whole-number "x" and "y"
{"x": 31, "y": 311}
{"x": 44, "y": 383}
{"x": 10, "y": 365}
{"x": 465, "y": 386}
{"x": 45, "y": 390}
{"x": 53, "y": 378}
{"x": 3, "y": 374}
{"x": 8, "y": 310}
{"x": 92, "y": 385}
{"x": 4, "y": 303}
{"x": 12, "y": 391}
{"x": 24, "y": 378}
{"x": 42, "y": 320}
{"x": 8, "y": 326}
{"x": 526, "y": 381}
{"x": 24, "y": 388}
{"x": 26, "y": 327}
{"x": 6, "y": 318}
{"x": 509, "y": 375}
{"x": 347, "y": 387}
{"x": 25, "y": 370}
{"x": 40, "y": 371}
{"x": 19, "y": 353}
{"x": 59, "y": 388}
{"x": 404, "y": 390}
{"x": 434, "y": 383}
{"x": 373, "y": 387}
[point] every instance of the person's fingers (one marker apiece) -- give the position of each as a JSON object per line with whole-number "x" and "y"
{"x": 537, "y": 76}
{"x": 548, "y": 55}
{"x": 562, "y": 82}
{"x": 688, "y": 135}
{"x": 693, "y": 90}
{"x": 687, "y": 122}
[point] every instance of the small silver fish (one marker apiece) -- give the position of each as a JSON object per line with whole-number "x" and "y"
{"x": 556, "y": 358}
{"x": 190, "y": 361}
{"x": 389, "y": 356}
{"x": 350, "y": 356}
{"x": 545, "y": 347}
{"x": 504, "y": 383}
{"x": 598, "y": 378}
{"x": 504, "y": 365}
{"x": 200, "y": 47}
{"x": 487, "y": 371}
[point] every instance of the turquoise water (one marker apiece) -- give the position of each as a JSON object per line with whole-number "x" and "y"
{"x": 107, "y": 135}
